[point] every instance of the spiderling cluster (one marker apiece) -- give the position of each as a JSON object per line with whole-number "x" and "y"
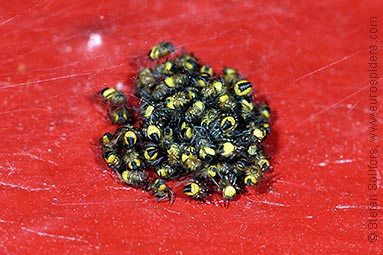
{"x": 196, "y": 127}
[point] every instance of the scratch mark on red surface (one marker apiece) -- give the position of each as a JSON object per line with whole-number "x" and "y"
{"x": 273, "y": 203}
{"x": 7, "y": 221}
{"x": 46, "y": 80}
{"x": 33, "y": 156}
{"x": 304, "y": 185}
{"x": 290, "y": 70}
{"x": 83, "y": 203}
{"x": 28, "y": 11}
{"x": 351, "y": 107}
{"x": 340, "y": 161}
{"x": 120, "y": 188}
{"x": 365, "y": 207}
{"x": 25, "y": 187}
{"x": 171, "y": 211}
{"x": 6, "y": 21}
{"x": 328, "y": 65}
{"x": 11, "y": 168}
{"x": 289, "y": 183}
{"x": 88, "y": 203}
{"x": 329, "y": 107}
{"x": 343, "y": 161}
{"x": 324, "y": 163}
{"x": 53, "y": 235}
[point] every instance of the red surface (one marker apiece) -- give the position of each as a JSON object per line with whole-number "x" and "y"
{"x": 308, "y": 60}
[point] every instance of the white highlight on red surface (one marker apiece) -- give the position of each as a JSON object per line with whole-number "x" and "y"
{"x": 95, "y": 40}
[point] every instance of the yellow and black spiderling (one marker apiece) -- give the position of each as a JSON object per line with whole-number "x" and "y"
{"x": 243, "y": 88}
{"x": 161, "y": 50}
{"x": 166, "y": 171}
{"x": 176, "y": 101}
{"x": 161, "y": 190}
{"x": 187, "y": 62}
{"x": 135, "y": 178}
{"x": 120, "y": 115}
{"x": 191, "y": 162}
{"x": 265, "y": 111}
{"x": 145, "y": 81}
{"x": 227, "y": 150}
{"x": 212, "y": 89}
{"x": 153, "y": 133}
{"x": 167, "y": 68}
{"x": 230, "y": 75}
{"x": 174, "y": 154}
{"x": 133, "y": 160}
{"x": 191, "y": 125}
{"x": 130, "y": 136}
{"x": 228, "y": 123}
{"x": 112, "y": 159}
{"x": 196, "y": 190}
{"x": 227, "y": 102}
{"x": 185, "y": 131}
{"x": 209, "y": 117}
{"x": 152, "y": 154}
{"x": 195, "y": 111}
{"x": 113, "y": 97}
{"x": 206, "y": 71}
{"x": 107, "y": 140}
{"x": 205, "y": 149}
{"x": 252, "y": 177}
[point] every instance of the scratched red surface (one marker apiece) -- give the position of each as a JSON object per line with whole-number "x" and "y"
{"x": 309, "y": 61}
